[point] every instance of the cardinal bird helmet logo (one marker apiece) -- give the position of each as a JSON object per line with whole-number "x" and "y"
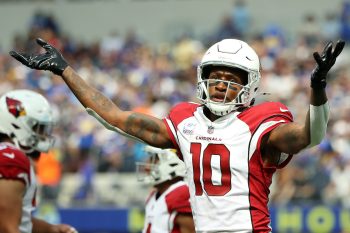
{"x": 15, "y": 107}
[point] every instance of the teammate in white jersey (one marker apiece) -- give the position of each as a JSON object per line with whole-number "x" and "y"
{"x": 168, "y": 207}
{"x": 25, "y": 130}
{"x": 230, "y": 146}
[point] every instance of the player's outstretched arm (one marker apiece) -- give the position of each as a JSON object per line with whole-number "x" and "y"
{"x": 135, "y": 125}
{"x": 293, "y": 137}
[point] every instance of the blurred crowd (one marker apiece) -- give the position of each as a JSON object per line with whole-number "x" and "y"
{"x": 152, "y": 78}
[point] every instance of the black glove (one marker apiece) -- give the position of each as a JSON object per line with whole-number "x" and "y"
{"x": 52, "y": 60}
{"x": 325, "y": 63}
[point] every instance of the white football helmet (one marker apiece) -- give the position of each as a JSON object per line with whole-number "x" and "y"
{"x": 27, "y": 118}
{"x": 162, "y": 165}
{"x": 229, "y": 53}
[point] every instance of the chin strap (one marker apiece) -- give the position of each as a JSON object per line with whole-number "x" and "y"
{"x": 319, "y": 116}
{"x": 109, "y": 126}
{"x": 26, "y": 150}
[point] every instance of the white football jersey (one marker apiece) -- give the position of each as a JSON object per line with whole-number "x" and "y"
{"x": 15, "y": 165}
{"x": 161, "y": 211}
{"x": 229, "y": 186}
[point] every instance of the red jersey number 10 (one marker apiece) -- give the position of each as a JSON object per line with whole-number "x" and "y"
{"x": 212, "y": 149}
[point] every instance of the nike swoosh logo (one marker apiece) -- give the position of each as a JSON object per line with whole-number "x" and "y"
{"x": 9, "y": 155}
{"x": 284, "y": 110}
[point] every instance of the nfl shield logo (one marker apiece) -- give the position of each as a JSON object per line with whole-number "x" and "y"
{"x": 210, "y": 129}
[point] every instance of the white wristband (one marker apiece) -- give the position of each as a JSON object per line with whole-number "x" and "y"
{"x": 319, "y": 116}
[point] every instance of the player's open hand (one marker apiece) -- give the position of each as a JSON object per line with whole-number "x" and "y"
{"x": 52, "y": 60}
{"x": 325, "y": 61}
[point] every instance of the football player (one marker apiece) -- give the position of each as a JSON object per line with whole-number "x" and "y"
{"x": 26, "y": 122}
{"x": 168, "y": 206}
{"x": 230, "y": 146}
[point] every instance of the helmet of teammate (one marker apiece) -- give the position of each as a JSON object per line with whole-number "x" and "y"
{"x": 162, "y": 165}
{"x": 27, "y": 118}
{"x": 229, "y": 53}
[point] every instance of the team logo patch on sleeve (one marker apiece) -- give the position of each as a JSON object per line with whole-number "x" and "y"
{"x": 15, "y": 107}
{"x": 189, "y": 128}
